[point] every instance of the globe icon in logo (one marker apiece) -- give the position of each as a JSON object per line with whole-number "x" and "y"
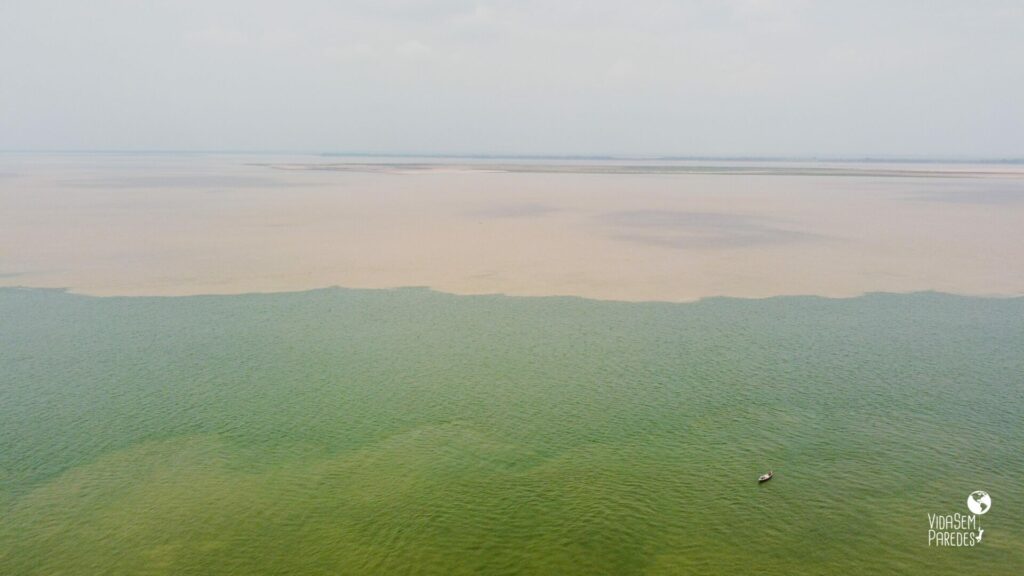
{"x": 979, "y": 502}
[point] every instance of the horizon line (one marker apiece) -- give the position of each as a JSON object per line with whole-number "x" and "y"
{"x": 882, "y": 158}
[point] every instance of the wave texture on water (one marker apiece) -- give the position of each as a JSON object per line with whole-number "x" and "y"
{"x": 410, "y": 431}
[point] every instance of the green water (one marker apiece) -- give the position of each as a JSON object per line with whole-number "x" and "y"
{"x": 394, "y": 432}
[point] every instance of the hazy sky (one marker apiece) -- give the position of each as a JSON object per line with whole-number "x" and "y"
{"x": 738, "y": 77}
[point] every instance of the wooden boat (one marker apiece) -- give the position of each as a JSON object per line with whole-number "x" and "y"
{"x": 765, "y": 477}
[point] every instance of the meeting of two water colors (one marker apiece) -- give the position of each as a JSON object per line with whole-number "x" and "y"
{"x": 414, "y": 432}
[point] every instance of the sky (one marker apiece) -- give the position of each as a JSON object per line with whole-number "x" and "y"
{"x": 531, "y": 77}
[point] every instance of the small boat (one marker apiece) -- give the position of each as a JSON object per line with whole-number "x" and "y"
{"x": 765, "y": 477}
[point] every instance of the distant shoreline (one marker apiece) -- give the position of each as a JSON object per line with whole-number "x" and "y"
{"x": 609, "y": 168}
{"x": 854, "y": 159}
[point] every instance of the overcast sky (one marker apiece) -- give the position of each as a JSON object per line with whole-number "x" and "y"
{"x": 744, "y": 77}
